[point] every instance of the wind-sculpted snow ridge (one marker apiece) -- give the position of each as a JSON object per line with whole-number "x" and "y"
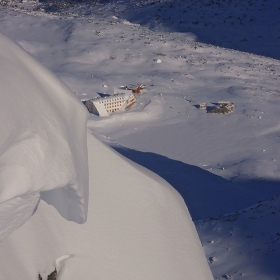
{"x": 42, "y": 139}
{"x": 138, "y": 227}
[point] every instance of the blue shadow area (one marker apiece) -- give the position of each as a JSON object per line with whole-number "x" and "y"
{"x": 248, "y": 26}
{"x": 250, "y": 238}
{"x": 206, "y": 194}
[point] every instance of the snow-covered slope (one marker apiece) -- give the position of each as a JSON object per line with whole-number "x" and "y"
{"x": 138, "y": 227}
{"x": 42, "y": 141}
{"x": 208, "y": 158}
{"x": 244, "y": 245}
{"x": 250, "y": 26}
{"x": 206, "y": 194}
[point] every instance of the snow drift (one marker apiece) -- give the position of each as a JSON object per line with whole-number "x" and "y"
{"x": 42, "y": 139}
{"x": 138, "y": 227}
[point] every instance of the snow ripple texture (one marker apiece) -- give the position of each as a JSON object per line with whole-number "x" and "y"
{"x": 42, "y": 139}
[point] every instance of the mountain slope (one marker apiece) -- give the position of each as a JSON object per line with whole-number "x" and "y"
{"x": 138, "y": 226}
{"x": 95, "y": 48}
{"x": 249, "y": 26}
{"x": 245, "y": 244}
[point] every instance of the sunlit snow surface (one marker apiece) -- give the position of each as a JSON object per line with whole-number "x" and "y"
{"x": 138, "y": 227}
{"x": 220, "y": 164}
{"x": 42, "y": 139}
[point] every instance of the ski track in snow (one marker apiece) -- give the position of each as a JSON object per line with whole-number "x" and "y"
{"x": 165, "y": 128}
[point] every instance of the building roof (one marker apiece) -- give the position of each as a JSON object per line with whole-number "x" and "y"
{"x": 112, "y": 98}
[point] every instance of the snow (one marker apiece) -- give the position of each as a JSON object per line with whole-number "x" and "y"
{"x": 250, "y": 234}
{"x": 42, "y": 141}
{"x": 15, "y": 212}
{"x": 220, "y": 164}
{"x": 138, "y": 227}
{"x": 137, "y": 222}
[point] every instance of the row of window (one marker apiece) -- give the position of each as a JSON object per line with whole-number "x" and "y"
{"x": 114, "y": 104}
{"x": 111, "y": 100}
{"x": 112, "y": 107}
{"x": 112, "y": 110}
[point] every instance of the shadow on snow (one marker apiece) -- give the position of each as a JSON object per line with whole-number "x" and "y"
{"x": 240, "y": 25}
{"x": 206, "y": 194}
{"x": 247, "y": 241}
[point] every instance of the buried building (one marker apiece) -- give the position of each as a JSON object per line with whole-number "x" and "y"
{"x": 224, "y": 107}
{"x": 104, "y": 106}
